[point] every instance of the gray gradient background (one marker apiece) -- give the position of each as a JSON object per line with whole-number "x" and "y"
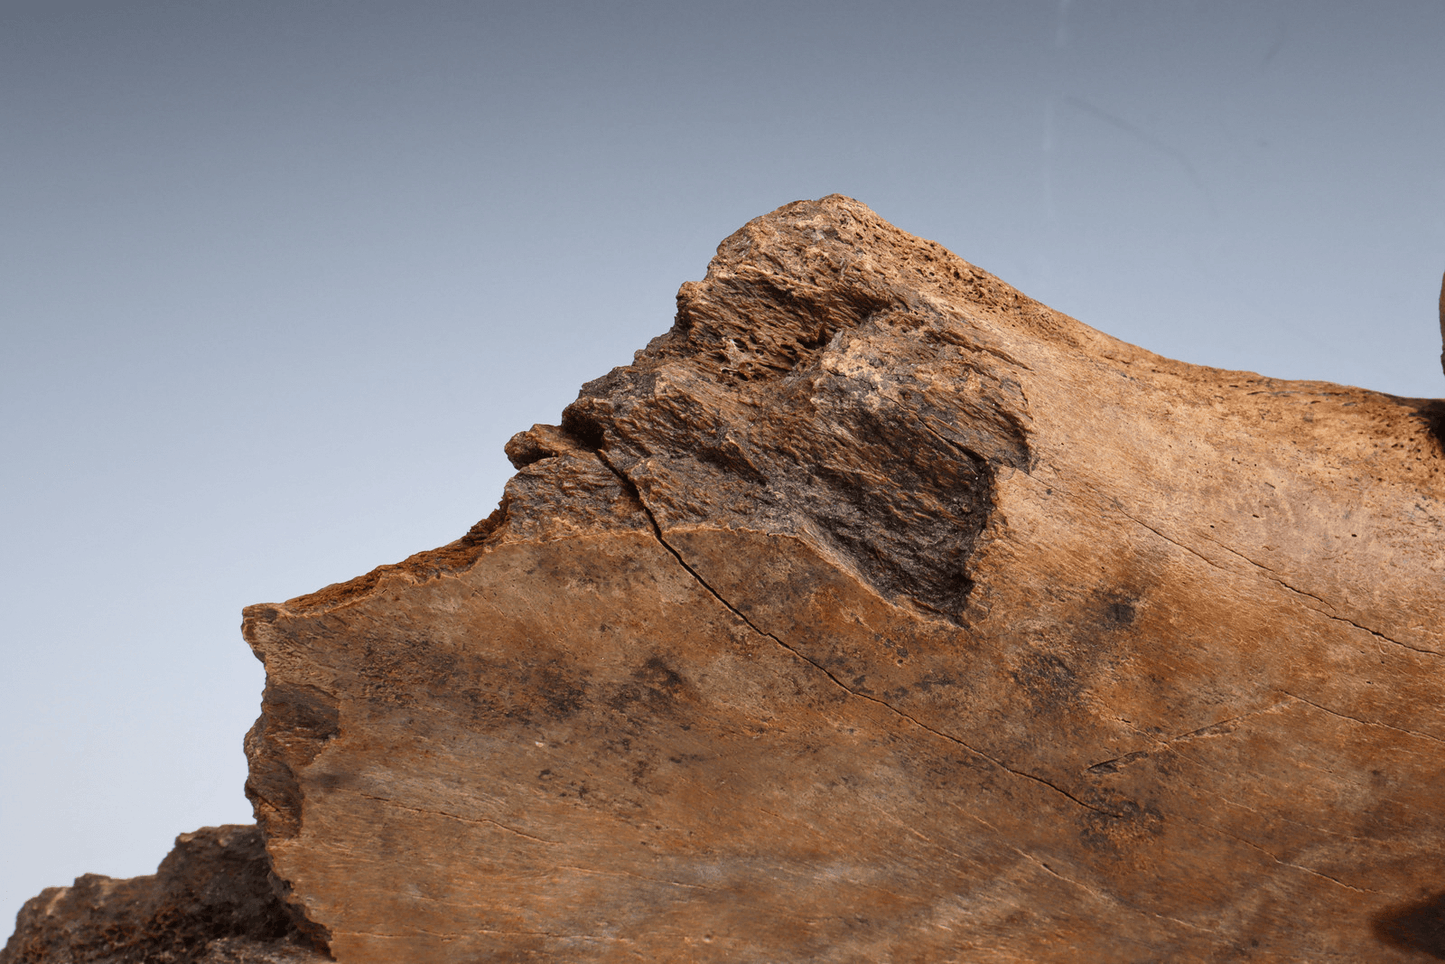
{"x": 279, "y": 279}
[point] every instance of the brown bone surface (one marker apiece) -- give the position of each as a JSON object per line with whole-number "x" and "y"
{"x": 879, "y": 613}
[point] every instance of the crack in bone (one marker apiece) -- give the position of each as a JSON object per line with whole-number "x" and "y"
{"x": 657, "y": 532}
{"x": 1286, "y": 863}
{"x": 1186, "y": 737}
{"x": 1356, "y": 719}
{"x": 387, "y": 801}
{"x": 1274, "y": 577}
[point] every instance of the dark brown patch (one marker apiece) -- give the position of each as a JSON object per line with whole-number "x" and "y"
{"x": 1419, "y": 926}
{"x": 295, "y": 723}
{"x": 1118, "y": 611}
{"x": 1047, "y": 678}
{"x": 1433, "y": 415}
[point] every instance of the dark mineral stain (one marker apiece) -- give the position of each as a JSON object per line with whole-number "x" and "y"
{"x": 624, "y": 698}
{"x": 1047, "y": 678}
{"x": 1414, "y": 927}
{"x": 308, "y": 713}
{"x": 657, "y": 686}
{"x": 296, "y": 723}
{"x": 332, "y": 780}
{"x": 1118, "y": 611}
{"x": 658, "y": 674}
{"x": 563, "y": 696}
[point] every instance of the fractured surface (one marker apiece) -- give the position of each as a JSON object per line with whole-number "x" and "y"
{"x": 213, "y": 900}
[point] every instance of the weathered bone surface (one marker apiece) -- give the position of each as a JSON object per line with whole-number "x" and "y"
{"x": 879, "y": 613}
{"x": 213, "y": 901}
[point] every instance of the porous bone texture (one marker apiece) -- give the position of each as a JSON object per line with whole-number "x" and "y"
{"x": 212, "y": 901}
{"x": 879, "y": 613}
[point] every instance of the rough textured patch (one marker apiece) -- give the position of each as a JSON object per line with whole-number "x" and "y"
{"x": 213, "y": 901}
